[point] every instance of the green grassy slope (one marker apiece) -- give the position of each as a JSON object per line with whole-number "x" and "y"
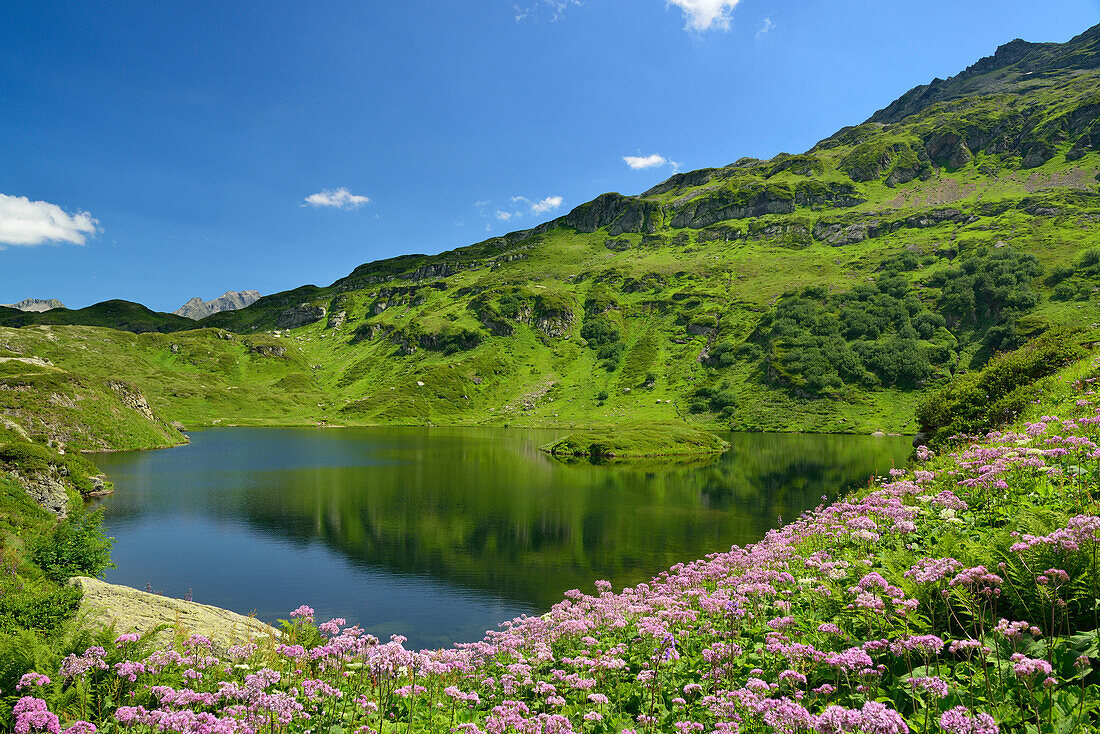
{"x": 823, "y": 291}
{"x": 61, "y": 382}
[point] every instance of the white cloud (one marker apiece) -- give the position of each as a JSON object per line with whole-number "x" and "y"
{"x": 549, "y": 204}
{"x": 524, "y": 10}
{"x": 339, "y": 198}
{"x": 703, "y": 15}
{"x": 765, "y": 27}
{"x": 26, "y": 222}
{"x": 654, "y": 160}
{"x": 521, "y": 206}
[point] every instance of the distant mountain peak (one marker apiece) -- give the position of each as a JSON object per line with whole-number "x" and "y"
{"x": 197, "y": 308}
{"x": 36, "y": 305}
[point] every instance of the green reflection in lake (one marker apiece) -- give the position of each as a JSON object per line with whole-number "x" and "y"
{"x": 445, "y": 526}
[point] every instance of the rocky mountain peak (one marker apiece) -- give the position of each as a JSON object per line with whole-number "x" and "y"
{"x": 197, "y": 308}
{"x": 36, "y": 305}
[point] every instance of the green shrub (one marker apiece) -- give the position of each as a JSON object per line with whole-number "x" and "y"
{"x": 599, "y": 331}
{"x": 987, "y": 284}
{"x": 610, "y": 355}
{"x": 721, "y": 400}
{"x": 817, "y": 342}
{"x": 1058, "y": 274}
{"x": 981, "y": 401}
{"x": 75, "y": 547}
{"x": 28, "y": 456}
{"x": 43, "y": 612}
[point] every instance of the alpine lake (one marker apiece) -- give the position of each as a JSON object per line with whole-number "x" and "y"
{"x": 440, "y": 534}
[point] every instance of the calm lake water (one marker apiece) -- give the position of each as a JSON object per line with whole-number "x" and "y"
{"x": 440, "y": 534}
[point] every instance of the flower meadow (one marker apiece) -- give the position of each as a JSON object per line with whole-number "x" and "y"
{"x": 958, "y": 596}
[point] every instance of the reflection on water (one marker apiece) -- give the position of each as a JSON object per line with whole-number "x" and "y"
{"x": 441, "y": 533}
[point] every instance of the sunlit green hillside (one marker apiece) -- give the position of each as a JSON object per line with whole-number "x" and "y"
{"x": 820, "y": 291}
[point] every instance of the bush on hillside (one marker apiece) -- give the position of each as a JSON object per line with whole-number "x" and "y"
{"x": 28, "y": 457}
{"x": 978, "y": 402}
{"x": 75, "y": 547}
{"x": 986, "y": 285}
{"x": 600, "y": 331}
{"x": 876, "y": 333}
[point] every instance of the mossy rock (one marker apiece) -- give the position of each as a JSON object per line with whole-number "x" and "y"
{"x": 131, "y": 610}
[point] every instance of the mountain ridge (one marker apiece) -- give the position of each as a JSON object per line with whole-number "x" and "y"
{"x": 1029, "y": 58}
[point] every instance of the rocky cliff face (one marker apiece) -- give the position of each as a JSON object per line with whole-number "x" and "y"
{"x": 197, "y": 308}
{"x": 616, "y": 212}
{"x": 35, "y": 305}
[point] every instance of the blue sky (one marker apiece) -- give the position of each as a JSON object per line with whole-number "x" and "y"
{"x": 157, "y": 151}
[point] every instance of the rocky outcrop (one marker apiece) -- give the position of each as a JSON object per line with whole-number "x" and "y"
{"x": 197, "y": 308}
{"x": 510, "y": 257}
{"x": 686, "y": 180}
{"x": 336, "y": 320}
{"x": 496, "y": 326}
{"x": 846, "y": 233}
{"x": 367, "y": 332}
{"x": 277, "y": 351}
{"x": 738, "y": 203}
{"x": 618, "y": 213}
{"x": 949, "y": 149}
{"x": 131, "y": 610}
{"x": 35, "y": 305}
{"x": 47, "y": 489}
{"x": 1013, "y": 62}
{"x": 554, "y": 325}
{"x": 14, "y": 427}
{"x": 792, "y": 232}
{"x": 819, "y": 195}
{"x": 300, "y": 315}
{"x": 436, "y": 270}
{"x": 905, "y": 171}
{"x": 132, "y": 398}
{"x": 1037, "y": 153}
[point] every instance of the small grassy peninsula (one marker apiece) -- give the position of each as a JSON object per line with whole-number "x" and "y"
{"x": 637, "y": 440}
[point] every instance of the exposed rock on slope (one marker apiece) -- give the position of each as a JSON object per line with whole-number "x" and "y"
{"x": 47, "y": 490}
{"x": 300, "y": 315}
{"x": 35, "y": 305}
{"x": 197, "y": 308}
